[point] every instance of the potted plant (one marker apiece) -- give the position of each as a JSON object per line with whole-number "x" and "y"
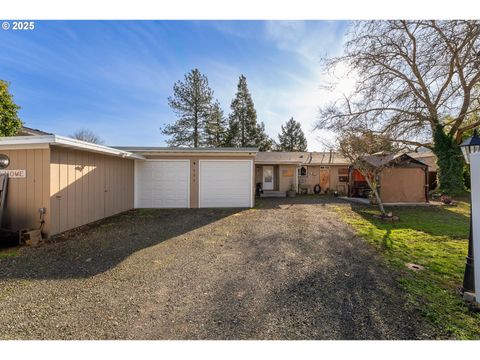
{"x": 292, "y": 192}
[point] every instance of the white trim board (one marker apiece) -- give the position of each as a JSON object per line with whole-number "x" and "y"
{"x": 17, "y": 142}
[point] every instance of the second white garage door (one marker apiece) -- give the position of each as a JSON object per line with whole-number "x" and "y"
{"x": 225, "y": 183}
{"x": 162, "y": 184}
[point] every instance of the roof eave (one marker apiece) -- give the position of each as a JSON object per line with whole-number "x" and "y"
{"x": 186, "y": 150}
{"x": 63, "y": 141}
{"x": 276, "y": 162}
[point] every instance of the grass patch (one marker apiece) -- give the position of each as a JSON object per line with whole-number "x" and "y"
{"x": 8, "y": 253}
{"x": 436, "y": 238}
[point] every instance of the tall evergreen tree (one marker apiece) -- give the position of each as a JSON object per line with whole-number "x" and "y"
{"x": 10, "y": 123}
{"x": 216, "y": 127}
{"x": 264, "y": 142}
{"x": 244, "y": 131}
{"x": 292, "y": 137}
{"x": 191, "y": 102}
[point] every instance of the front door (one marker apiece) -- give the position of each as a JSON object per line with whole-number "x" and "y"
{"x": 268, "y": 178}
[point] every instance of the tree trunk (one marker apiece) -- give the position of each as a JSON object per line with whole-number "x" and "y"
{"x": 379, "y": 200}
{"x": 449, "y": 162}
{"x": 374, "y": 189}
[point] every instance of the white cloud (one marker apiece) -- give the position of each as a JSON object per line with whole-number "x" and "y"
{"x": 308, "y": 42}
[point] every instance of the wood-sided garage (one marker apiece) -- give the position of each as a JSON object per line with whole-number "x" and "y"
{"x": 195, "y": 178}
{"x": 75, "y": 182}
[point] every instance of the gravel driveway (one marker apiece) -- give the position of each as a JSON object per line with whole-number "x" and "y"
{"x": 286, "y": 270}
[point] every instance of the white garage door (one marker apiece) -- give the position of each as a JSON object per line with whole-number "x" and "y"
{"x": 225, "y": 183}
{"x": 162, "y": 184}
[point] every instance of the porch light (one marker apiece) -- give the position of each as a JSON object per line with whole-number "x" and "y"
{"x": 469, "y": 146}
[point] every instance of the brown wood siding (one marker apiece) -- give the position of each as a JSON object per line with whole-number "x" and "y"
{"x": 26, "y": 195}
{"x": 86, "y": 187}
{"x": 403, "y": 185}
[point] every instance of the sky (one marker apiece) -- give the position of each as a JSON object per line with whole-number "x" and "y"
{"x": 114, "y": 77}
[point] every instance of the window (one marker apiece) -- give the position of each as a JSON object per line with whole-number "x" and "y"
{"x": 343, "y": 178}
{"x": 302, "y": 171}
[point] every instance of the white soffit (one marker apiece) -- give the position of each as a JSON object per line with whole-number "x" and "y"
{"x": 42, "y": 141}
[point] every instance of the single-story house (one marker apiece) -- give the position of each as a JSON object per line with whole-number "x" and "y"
{"x": 302, "y": 171}
{"x": 68, "y": 183}
{"x": 402, "y": 179}
{"x": 77, "y": 182}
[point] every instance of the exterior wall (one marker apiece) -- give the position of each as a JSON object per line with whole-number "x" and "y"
{"x": 194, "y": 166}
{"x": 26, "y": 195}
{"x": 331, "y": 181}
{"x": 86, "y": 186}
{"x": 335, "y": 183}
{"x": 286, "y": 176}
{"x": 403, "y": 185}
{"x": 311, "y": 179}
{"x": 258, "y": 174}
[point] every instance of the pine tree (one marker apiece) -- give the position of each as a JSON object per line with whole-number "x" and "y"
{"x": 244, "y": 131}
{"x": 216, "y": 127}
{"x": 191, "y": 102}
{"x": 264, "y": 142}
{"x": 292, "y": 137}
{"x": 10, "y": 123}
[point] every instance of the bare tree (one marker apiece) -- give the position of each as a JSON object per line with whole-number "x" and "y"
{"x": 358, "y": 147}
{"x": 416, "y": 84}
{"x": 88, "y": 136}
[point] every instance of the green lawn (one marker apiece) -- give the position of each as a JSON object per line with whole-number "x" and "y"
{"x": 436, "y": 238}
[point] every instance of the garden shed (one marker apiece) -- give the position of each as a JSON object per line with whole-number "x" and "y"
{"x": 402, "y": 179}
